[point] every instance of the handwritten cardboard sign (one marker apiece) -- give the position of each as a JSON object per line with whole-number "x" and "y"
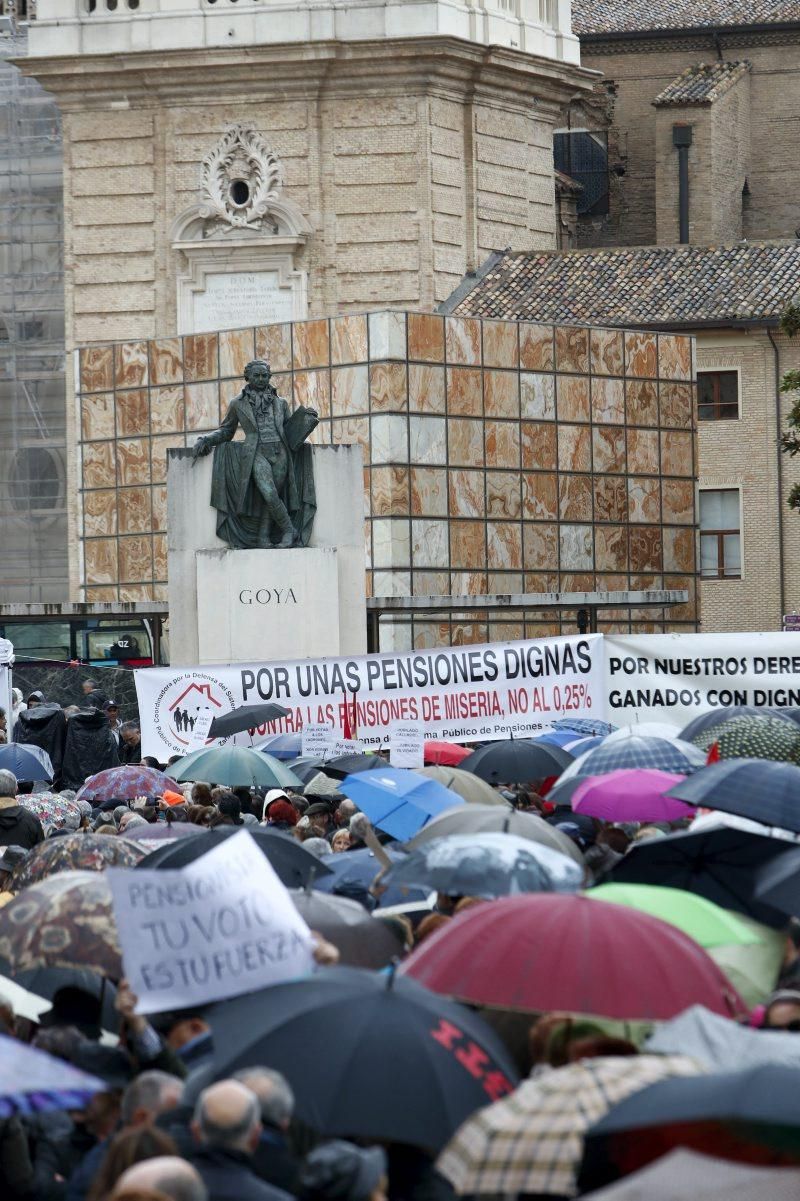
{"x": 221, "y": 926}
{"x": 407, "y": 744}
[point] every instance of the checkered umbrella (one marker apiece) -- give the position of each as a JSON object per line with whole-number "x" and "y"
{"x": 585, "y": 725}
{"x": 634, "y": 750}
{"x": 754, "y": 737}
{"x": 532, "y": 1140}
{"x": 763, "y": 791}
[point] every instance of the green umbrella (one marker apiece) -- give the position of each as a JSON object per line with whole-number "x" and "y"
{"x": 235, "y": 767}
{"x": 753, "y": 737}
{"x": 469, "y": 787}
{"x": 752, "y": 970}
{"x": 708, "y": 924}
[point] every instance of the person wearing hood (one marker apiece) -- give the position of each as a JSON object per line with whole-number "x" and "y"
{"x": 44, "y": 726}
{"x": 90, "y": 747}
{"x": 18, "y": 826}
{"x": 340, "y": 1171}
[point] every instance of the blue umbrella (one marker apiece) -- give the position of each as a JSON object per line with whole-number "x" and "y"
{"x": 352, "y": 872}
{"x": 399, "y": 802}
{"x": 22, "y": 762}
{"x": 585, "y": 725}
{"x": 569, "y": 740}
{"x": 282, "y": 746}
{"x": 31, "y": 1081}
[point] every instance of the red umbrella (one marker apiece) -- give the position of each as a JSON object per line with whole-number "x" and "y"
{"x": 444, "y": 754}
{"x": 540, "y": 952}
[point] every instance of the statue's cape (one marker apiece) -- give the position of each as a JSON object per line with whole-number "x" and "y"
{"x": 238, "y": 501}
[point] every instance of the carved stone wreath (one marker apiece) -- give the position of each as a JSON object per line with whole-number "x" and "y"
{"x": 240, "y": 177}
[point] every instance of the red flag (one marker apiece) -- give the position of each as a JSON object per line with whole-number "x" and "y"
{"x": 346, "y": 732}
{"x": 354, "y": 723}
{"x": 713, "y": 754}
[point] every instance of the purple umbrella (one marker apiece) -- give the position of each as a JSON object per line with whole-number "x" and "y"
{"x": 124, "y": 784}
{"x": 632, "y": 795}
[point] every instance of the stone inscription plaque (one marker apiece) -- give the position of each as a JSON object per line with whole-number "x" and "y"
{"x": 236, "y": 299}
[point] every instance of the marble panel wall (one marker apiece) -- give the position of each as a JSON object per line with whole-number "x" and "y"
{"x": 499, "y": 456}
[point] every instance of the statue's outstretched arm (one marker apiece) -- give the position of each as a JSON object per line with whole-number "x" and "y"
{"x": 224, "y": 434}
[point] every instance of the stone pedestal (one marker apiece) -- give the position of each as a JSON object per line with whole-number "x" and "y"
{"x": 260, "y": 605}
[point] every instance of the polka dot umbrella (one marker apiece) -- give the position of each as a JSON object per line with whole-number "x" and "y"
{"x": 753, "y": 737}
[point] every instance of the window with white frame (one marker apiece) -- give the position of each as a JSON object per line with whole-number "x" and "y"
{"x": 720, "y": 534}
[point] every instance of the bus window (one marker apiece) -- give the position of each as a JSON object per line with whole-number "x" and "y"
{"x": 39, "y": 639}
{"x": 114, "y": 643}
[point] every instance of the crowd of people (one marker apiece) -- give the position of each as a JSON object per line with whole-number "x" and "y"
{"x": 165, "y": 1127}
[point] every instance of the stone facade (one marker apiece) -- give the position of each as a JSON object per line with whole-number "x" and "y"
{"x": 634, "y": 72}
{"x": 408, "y": 162}
{"x": 501, "y": 457}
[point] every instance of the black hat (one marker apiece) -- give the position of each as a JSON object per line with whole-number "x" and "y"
{"x": 111, "y": 705}
{"x": 74, "y": 1006}
{"x": 319, "y": 807}
{"x": 10, "y": 857}
{"x": 340, "y": 1171}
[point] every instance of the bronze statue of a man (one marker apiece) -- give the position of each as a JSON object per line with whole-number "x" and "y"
{"x": 262, "y": 487}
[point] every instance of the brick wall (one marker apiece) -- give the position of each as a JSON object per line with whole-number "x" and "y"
{"x": 638, "y": 74}
{"x": 743, "y": 453}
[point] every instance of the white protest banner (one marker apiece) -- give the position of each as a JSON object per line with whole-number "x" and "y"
{"x": 674, "y": 677}
{"x": 406, "y": 744}
{"x": 317, "y": 740}
{"x": 221, "y": 926}
{"x": 459, "y": 693}
{"x": 198, "y": 735}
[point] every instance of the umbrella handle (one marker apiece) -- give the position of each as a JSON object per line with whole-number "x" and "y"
{"x": 371, "y": 840}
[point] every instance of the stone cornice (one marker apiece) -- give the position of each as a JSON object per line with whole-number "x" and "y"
{"x": 448, "y": 66}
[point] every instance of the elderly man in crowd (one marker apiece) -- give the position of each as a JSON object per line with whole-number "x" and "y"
{"x": 227, "y": 1128}
{"x": 165, "y": 1176}
{"x": 273, "y": 1160}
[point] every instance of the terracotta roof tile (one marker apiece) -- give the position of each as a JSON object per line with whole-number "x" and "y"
{"x": 626, "y": 16}
{"x": 647, "y": 285}
{"x": 701, "y": 84}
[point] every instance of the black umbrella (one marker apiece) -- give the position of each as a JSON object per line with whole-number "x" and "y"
{"x": 560, "y": 794}
{"x": 367, "y": 1055}
{"x": 779, "y": 881}
{"x": 305, "y": 770}
{"x": 716, "y": 717}
{"x": 361, "y": 940}
{"x": 245, "y": 718}
{"x": 763, "y": 790}
{"x": 724, "y": 865}
{"x": 295, "y": 867}
{"x": 516, "y": 761}
{"x": 751, "y": 1116}
{"x": 349, "y": 765}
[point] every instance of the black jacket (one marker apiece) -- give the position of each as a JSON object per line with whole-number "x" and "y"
{"x": 274, "y": 1162}
{"x": 44, "y": 726}
{"x": 229, "y": 1176}
{"x": 18, "y": 826}
{"x": 90, "y": 748}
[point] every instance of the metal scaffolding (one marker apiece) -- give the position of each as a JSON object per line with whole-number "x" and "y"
{"x": 33, "y": 502}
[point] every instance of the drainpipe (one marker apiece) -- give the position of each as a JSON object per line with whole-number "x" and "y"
{"x": 781, "y": 569}
{"x": 682, "y": 140}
